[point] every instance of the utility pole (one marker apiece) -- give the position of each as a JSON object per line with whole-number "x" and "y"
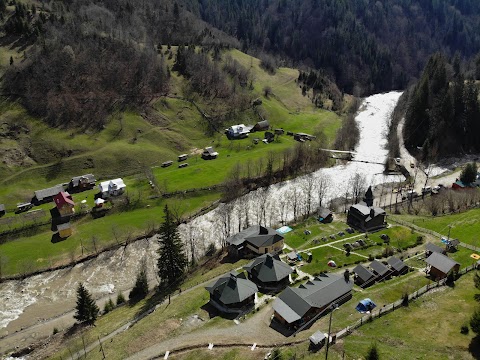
{"x": 449, "y": 228}
{"x": 333, "y": 307}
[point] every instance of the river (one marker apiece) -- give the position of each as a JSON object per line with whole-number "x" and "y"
{"x": 27, "y": 307}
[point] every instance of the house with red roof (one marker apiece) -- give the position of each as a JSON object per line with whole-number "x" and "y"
{"x": 64, "y": 203}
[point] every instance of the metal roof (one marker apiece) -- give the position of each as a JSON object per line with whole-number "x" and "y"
{"x": 49, "y": 192}
{"x": 379, "y": 267}
{"x": 363, "y": 273}
{"x": 434, "y": 248}
{"x": 396, "y": 264}
{"x": 256, "y": 235}
{"x": 76, "y": 180}
{"x": 269, "y": 269}
{"x": 232, "y": 289}
{"x": 441, "y": 262}
{"x": 317, "y": 338}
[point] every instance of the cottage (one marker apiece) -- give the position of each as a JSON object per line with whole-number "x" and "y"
{"x": 113, "y": 187}
{"x": 46, "y": 195}
{"x": 397, "y": 266}
{"x": 261, "y": 126}
{"x": 64, "y": 230}
{"x": 81, "y": 183}
{"x": 440, "y": 265}
{"x": 232, "y": 293}
{"x": 366, "y": 217}
{"x": 431, "y": 248}
{"x": 64, "y": 203}
{"x": 363, "y": 276}
{"x": 238, "y": 131}
{"x": 269, "y": 273}
{"x": 3, "y": 211}
{"x": 296, "y": 306}
{"x": 380, "y": 270}
{"x": 255, "y": 239}
{"x": 324, "y": 215}
{"x": 209, "y": 153}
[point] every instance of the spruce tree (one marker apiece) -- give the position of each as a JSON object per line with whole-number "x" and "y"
{"x": 86, "y": 309}
{"x": 172, "y": 260}
{"x": 469, "y": 173}
{"x": 372, "y": 353}
{"x": 140, "y": 290}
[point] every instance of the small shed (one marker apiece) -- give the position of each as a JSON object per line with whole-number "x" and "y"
{"x": 3, "y": 211}
{"x": 292, "y": 256}
{"x": 324, "y": 215}
{"x": 64, "y": 230}
{"x": 99, "y": 202}
{"x": 261, "y": 126}
{"x": 317, "y": 340}
{"x": 167, "y": 163}
{"x": 432, "y": 248}
{"x": 64, "y": 203}
{"x": 182, "y": 157}
{"x": 363, "y": 276}
{"x": 452, "y": 245}
{"x": 209, "y": 153}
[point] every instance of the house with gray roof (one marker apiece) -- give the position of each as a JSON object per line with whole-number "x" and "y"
{"x": 363, "y": 276}
{"x": 366, "y": 217}
{"x": 269, "y": 273}
{"x": 255, "y": 239}
{"x": 397, "y": 266}
{"x": 440, "y": 265}
{"x": 232, "y": 293}
{"x": 297, "y": 305}
{"x": 81, "y": 183}
{"x": 380, "y": 270}
{"x": 431, "y": 248}
{"x": 46, "y": 195}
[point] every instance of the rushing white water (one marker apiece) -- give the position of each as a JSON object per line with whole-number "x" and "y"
{"x": 53, "y": 293}
{"x": 278, "y": 201}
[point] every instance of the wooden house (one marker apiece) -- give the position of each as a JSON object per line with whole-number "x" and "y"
{"x": 269, "y": 273}
{"x": 363, "y": 276}
{"x": 81, "y": 183}
{"x": 255, "y": 240}
{"x": 366, "y": 217}
{"x": 64, "y": 204}
{"x": 440, "y": 265}
{"x": 64, "y": 230}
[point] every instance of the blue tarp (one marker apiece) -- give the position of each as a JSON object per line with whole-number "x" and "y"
{"x": 284, "y": 230}
{"x": 365, "y": 305}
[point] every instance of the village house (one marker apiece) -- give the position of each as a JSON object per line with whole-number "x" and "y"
{"x": 439, "y": 265}
{"x": 363, "y": 276}
{"x": 397, "y": 266}
{"x": 297, "y": 305}
{"x": 269, "y": 273}
{"x": 232, "y": 293}
{"x": 64, "y": 203}
{"x": 431, "y": 248}
{"x": 64, "y": 230}
{"x": 380, "y": 270}
{"x": 255, "y": 240}
{"x": 81, "y": 183}
{"x": 237, "y": 131}
{"x": 46, "y": 195}
{"x": 366, "y": 217}
{"x": 113, "y": 187}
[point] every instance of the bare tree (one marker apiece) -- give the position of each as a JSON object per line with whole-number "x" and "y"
{"x": 3, "y": 264}
{"x": 307, "y": 184}
{"x": 322, "y": 187}
{"x": 224, "y": 221}
{"x": 357, "y": 186}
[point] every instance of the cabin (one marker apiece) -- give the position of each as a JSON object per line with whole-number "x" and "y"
{"x": 452, "y": 245}
{"x": 64, "y": 204}
{"x": 237, "y": 131}
{"x": 232, "y": 293}
{"x": 64, "y": 230}
{"x": 397, "y": 266}
{"x": 439, "y": 266}
{"x": 113, "y": 187}
{"x": 182, "y": 157}
{"x": 167, "y": 163}
{"x": 255, "y": 240}
{"x": 431, "y": 248}
{"x": 269, "y": 273}
{"x": 3, "y": 211}
{"x": 209, "y": 153}
{"x": 325, "y": 216}
{"x": 261, "y": 126}
{"x": 380, "y": 270}
{"x": 363, "y": 276}
{"x": 295, "y": 306}
{"x": 81, "y": 183}
{"x": 366, "y": 217}
{"x": 46, "y": 195}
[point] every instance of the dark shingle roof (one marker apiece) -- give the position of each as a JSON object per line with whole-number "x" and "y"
{"x": 269, "y": 269}
{"x": 441, "y": 262}
{"x": 294, "y": 303}
{"x": 45, "y": 193}
{"x": 232, "y": 289}
{"x": 324, "y": 212}
{"x": 379, "y": 268}
{"x": 363, "y": 273}
{"x": 256, "y": 235}
{"x": 397, "y": 264}
{"x": 434, "y": 248}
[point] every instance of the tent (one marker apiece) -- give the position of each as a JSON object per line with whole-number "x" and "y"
{"x": 332, "y": 263}
{"x": 365, "y": 305}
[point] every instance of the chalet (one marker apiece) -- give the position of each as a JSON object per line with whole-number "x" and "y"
{"x": 237, "y": 131}
{"x": 64, "y": 230}
{"x": 3, "y": 211}
{"x": 324, "y": 215}
{"x": 397, "y": 266}
{"x": 297, "y": 305}
{"x": 255, "y": 239}
{"x": 363, "y": 276}
{"x": 380, "y": 270}
{"x": 232, "y": 293}
{"x": 440, "y": 265}
{"x": 431, "y": 248}
{"x": 366, "y": 217}
{"x": 64, "y": 203}
{"x": 81, "y": 183}
{"x": 209, "y": 153}
{"x": 261, "y": 126}
{"x": 269, "y": 273}
{"x": 46, "y": 195}
{"x": 113, "y": 187}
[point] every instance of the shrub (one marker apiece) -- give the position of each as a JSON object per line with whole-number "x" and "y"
{"x": 464, "y": 329}
{"x": 405, "y": 300}
{"x": 109, "y": 306}
{"x": 419, "y": 240}
{"x": 55, "y": 330}
{"x": 120, "y": 299}
{"x": 370, "y": 257}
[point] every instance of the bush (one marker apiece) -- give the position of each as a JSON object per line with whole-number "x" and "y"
{"x": 109, "y": 306}
{"x": 419, "y": 240}
{"x": 464, "y": 329}
{"x": 120, "y": 299}
{"x": 55, "y": 330}
{"x": 405, "y": 300}
{"x": 370, "y": 257}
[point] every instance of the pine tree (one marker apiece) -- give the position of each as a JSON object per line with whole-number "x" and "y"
{"x": 172, "y": 260}
{"x": 86, "y": 309}
{"x": 469, "y": 173}
{"x": 140, "y": 290}
{"x": 475, "y": 322}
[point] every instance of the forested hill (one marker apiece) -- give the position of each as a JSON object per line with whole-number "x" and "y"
{"x": 365, "y": 45}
